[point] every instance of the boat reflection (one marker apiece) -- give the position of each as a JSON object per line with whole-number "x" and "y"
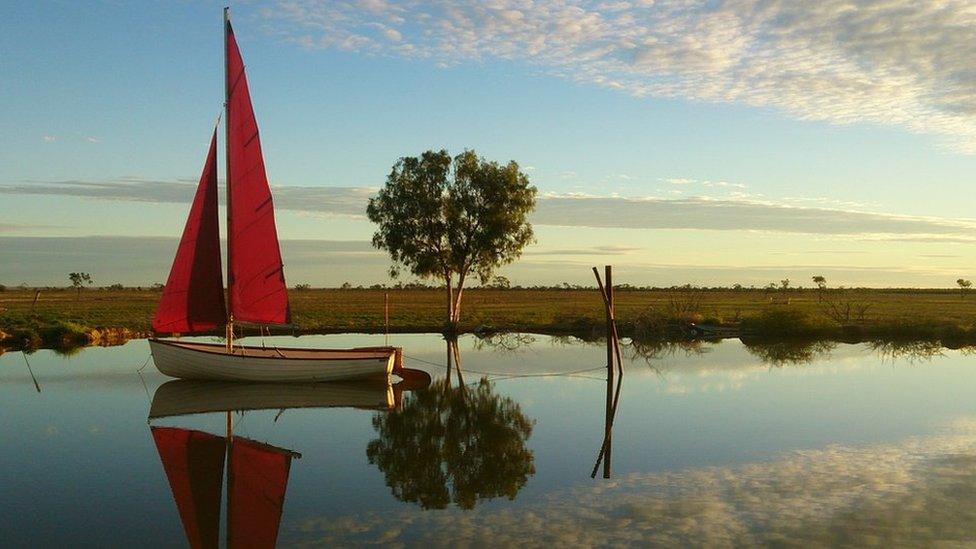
{"x": 453, "y": 444}
{"x": 257, "y": 473}
{"x": 184, "y": 397}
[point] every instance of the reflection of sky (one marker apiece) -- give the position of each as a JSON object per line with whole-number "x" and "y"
{"x": 917, "y": 491}
{"x": 705, "y": 431}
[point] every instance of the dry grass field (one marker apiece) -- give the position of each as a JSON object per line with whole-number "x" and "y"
{"x": 59, "y": 313}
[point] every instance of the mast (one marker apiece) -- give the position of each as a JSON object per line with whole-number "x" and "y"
{"x": 230, "y": 234}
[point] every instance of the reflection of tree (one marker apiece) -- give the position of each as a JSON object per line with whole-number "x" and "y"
{"x": 503, "y": 341}
{"x": 912, "y": 351}
{"x": 453, "y": 444}
{"x": 656, "y": 349}
{"x": 789, "y": 351}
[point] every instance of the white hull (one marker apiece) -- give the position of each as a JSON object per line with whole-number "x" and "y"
{"x": 183, "y": 397}
{"x": 203, "y": 361}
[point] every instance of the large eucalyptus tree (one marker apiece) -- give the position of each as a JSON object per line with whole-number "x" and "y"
{"x": 452, "y": 219}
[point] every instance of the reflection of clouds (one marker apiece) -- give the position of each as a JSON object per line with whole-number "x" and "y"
{"x": 921, "y": 491}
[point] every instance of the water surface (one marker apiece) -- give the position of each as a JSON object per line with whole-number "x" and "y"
{"x": 711, "y": 444}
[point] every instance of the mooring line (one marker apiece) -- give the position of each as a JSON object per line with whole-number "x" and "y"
{"x": 508, "y": 375}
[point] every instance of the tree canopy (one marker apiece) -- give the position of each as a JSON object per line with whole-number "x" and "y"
{"x": 452, "y": 218}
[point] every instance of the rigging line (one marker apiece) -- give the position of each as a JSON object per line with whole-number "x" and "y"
{"x": 240, "y": 420}
{"x": 145, "y": 388}
{"x": 144, "y": 364}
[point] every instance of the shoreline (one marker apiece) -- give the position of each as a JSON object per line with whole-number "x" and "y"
{"x": 63, "y": 319}
{"x": 947, "y": 337}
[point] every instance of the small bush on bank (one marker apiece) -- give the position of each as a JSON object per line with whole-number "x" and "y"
{"x": 65, "y": 333}
{"x": 781, "y": 322}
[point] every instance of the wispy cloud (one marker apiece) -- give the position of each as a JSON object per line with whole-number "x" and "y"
{"x": 49, "y": 138}
{"x": 6, "y": 228}
{"x": 901, "y": 63}
{"x": 347, "y": 201}
{"x": 593, "y": 250}
{"x": 572, "y": 210}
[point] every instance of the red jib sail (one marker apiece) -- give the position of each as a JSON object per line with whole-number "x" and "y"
{"x": 257, "y": 478}
{"x": 255, "y": 275}
{"x": 193, "y": 299}
{"x": 194, "y": 465}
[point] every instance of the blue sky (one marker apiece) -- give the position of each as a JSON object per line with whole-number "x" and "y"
{"x": 862, "y": 123}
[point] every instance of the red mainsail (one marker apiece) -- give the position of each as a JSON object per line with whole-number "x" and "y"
{"x": 257, "y": 478}
{"x": 194, "y": 465}
{"x": 255, "y": 275}
{"x": 193, "y": 299}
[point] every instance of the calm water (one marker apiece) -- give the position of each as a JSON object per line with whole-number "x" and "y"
{"x": 717, "y": 444}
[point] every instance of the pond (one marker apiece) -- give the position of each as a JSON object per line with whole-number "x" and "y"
{"x": 716, "y": 443}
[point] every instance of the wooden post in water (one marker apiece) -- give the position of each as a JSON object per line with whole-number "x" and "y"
{"x": 611, "y": 337}
{"x": 608, "y": 290}
{"x": 613, "y": 356}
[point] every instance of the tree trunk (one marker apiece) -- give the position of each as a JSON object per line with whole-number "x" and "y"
{"x": 456, "y": 314}
{"x": 450, "y": 301}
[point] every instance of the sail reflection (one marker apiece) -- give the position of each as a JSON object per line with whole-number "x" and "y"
{"x": 257, "y": 478}
{"x": 194, "y": 465}
{"x": 453, "y": 444}
{"x": 257, "y": 473}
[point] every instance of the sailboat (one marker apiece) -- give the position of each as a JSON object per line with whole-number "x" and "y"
{"x": 193, "y": 299}
{"x": 257, "y": 479}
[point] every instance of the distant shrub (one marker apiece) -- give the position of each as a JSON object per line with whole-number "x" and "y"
{"x": 302, "y": 287}
{"x": 116, "y": 287}
{"x": 3, "y": 288}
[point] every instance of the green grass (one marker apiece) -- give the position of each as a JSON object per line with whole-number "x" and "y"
{"x": 66, "y": 316}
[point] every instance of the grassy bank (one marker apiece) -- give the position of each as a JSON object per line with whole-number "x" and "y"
{"x": 63, "y": 317}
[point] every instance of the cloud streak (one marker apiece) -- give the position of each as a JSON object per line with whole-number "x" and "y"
{"x": 726, "y": 214}
{"x": 899, "y": 63}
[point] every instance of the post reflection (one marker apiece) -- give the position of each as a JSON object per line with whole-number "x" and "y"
{"x": 614, "y": 382}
